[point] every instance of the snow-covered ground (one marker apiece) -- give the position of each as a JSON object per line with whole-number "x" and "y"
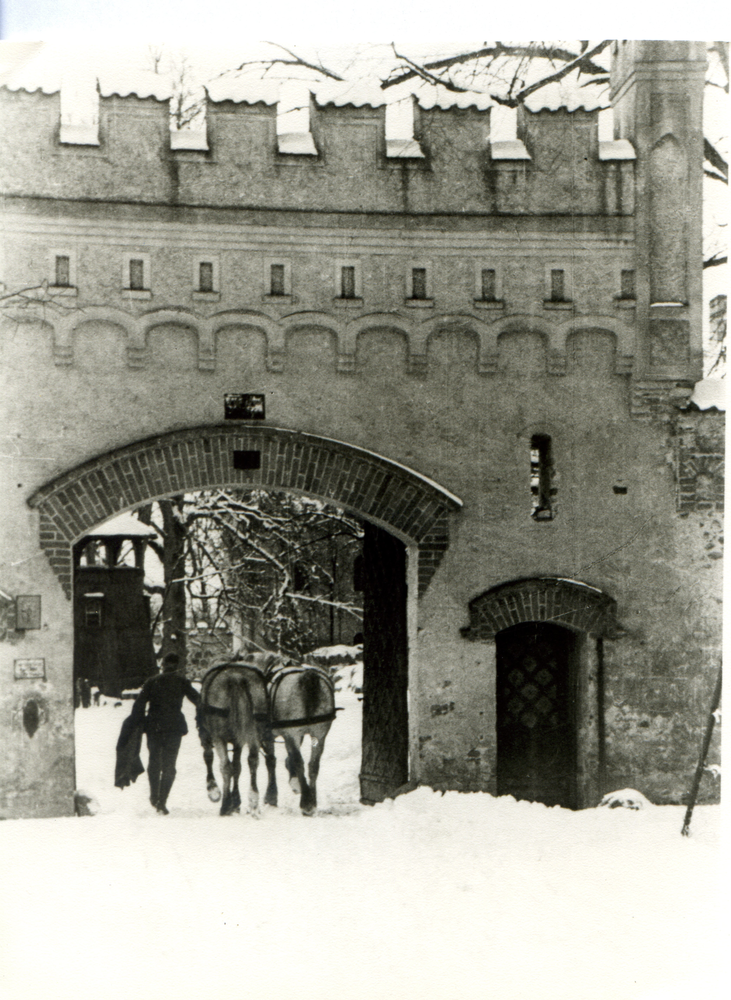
{"x": 430, "y": 896}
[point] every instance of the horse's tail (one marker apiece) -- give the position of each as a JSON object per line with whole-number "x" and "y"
{"x": 241, "y": 709}
{"x": 310, "y": 687}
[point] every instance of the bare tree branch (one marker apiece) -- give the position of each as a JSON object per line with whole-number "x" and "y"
{"x": 531, "y": 50}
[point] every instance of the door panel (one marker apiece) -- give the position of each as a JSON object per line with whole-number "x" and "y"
{"x": 385, "y": 763}
{"x": 536, "y": 718}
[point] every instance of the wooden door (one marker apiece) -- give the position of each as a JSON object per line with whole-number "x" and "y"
{"x": 385, "y": 751}
{"x": 536, "y": 716}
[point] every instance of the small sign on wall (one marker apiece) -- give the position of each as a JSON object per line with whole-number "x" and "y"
{"x": 244, "y": 406}
{"x": 28, "y": 611}
{"x": 30, "y": 669}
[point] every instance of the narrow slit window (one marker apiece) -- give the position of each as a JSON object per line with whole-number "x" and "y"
{"x": 136, "y": 274}
{"x": 276, "y": 279}
{"x": 627, "y": 285}
{"x": 541, "y": 478}
{"x": 489, "y": 285}
{"x": 558, "y": 286}
{"x": 347, "y": 282}
{"x": 418, "y": 283}
{"x": 63, "y": 272}
{"x": 205, "y": 276}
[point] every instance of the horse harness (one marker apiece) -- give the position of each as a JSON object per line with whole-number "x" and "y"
{"x": 272, "y": 681}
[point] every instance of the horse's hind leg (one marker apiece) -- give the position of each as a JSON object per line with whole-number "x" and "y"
{"x": 313, "y": 769}
{"x": 267, "y": 745}
{"x": 236, "y": 772}
{"x": 253, "y": 766}
{"x": 225, "y": 765}
{"x": 214, "y": 792}
{"x": 296, "y": 767}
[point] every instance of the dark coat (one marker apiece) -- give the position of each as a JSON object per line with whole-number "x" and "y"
{"x": 163, "y": 694}
{"x": 129, "y": 766}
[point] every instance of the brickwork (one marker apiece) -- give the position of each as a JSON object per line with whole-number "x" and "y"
{"x": 563, "y": 602}
{"x": 364, "y": 483}
{"x": 698, "y": 461}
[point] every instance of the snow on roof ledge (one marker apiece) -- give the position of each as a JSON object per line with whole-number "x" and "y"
{"x": 709, "y": 393}
{"x": 123, "y": 525}
{"x": 617, "y": 149}
{"x": 403, "y": 149}
{"x": 299, "y": 143}
{"x": 79, "y": 135}
{"x": 188, "y": 139}
{"x": 509, "y": 149}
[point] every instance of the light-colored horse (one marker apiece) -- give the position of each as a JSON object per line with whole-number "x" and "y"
{"x": 301, "y": 703}
{"x": 233, "y": 710}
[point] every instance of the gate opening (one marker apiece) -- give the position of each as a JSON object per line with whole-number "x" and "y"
{"x": 312, "y": 581}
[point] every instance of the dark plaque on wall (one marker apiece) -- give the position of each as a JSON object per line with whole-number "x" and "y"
{"x": 28, "y": 611}
{"x": 244, "y": 405}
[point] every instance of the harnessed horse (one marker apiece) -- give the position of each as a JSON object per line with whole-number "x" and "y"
{"x": 250, "y": 703}
{"x": 301, "y": 703}
{"x": 233, "y": 709}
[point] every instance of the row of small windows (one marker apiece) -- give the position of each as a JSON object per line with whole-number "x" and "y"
{"x": 487, "y": 285}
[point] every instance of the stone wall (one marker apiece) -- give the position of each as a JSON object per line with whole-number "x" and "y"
{"x": 418, "y": 413}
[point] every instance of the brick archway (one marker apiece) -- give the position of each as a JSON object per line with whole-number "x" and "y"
{"x": 571, "y": 603}
{"x": 405, "y": 503}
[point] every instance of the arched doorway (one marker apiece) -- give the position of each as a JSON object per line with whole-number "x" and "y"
{"x": 406, "y": 517}
{"x": 548, "y": 637}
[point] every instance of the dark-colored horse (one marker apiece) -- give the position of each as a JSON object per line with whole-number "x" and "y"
{"x": 233, "y": 710}
{"x": 301, "y": 703}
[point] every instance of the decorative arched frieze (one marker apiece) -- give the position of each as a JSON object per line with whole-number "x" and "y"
{"x": 372, "y": 321}
{"x": 623, "y": 333}
{"x": 463, "y": 323}
{"x": 405, "y": 503}
{"x": 571, "y": 603}
{"x": 416, "y": 334}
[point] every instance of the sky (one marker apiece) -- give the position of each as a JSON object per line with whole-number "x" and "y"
{"x": 330, "y": 21}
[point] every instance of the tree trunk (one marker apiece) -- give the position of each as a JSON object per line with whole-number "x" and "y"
{"x": 173, "y": 607}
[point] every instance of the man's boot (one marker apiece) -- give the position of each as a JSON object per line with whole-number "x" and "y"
{"x": 166, "y": 783}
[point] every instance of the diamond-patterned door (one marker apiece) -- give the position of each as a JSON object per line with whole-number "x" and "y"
{"x": 536, "y": 724}
{"x": 385, "y": 750}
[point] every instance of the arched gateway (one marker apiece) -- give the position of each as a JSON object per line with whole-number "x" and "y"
{"x": 400, "y": 508}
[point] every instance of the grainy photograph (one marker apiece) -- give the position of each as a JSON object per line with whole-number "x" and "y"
{"x": 362, "y": 521}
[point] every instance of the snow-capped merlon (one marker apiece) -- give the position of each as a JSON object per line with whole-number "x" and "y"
{"x": 617, "y": 149}
{"x": 297, "y": 143}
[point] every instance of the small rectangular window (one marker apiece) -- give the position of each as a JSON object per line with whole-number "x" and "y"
{"x": 93, "y": 614}
{"x": 205, "y": 276}
{"x": 136, "y": 274}
{"x": 557, "y": 286}
{"x": 347, "y": 282}
{"x": 418, "y": 283}
{"x": 489, "y": 286}
{"x": 276, "y": 279}
{"x": 541, "y": 477}
{"x": 63, "y": 272}
{"x": 627, "y": 286}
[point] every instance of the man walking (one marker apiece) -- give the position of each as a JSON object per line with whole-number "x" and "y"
{"x": 165, "y": 725}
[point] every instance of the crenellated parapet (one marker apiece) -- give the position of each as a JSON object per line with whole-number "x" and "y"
{"x": 453, "y": 164}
